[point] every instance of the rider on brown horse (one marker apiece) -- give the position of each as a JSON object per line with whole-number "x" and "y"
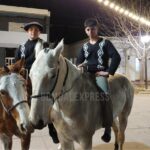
{"x": 29, "y": 51}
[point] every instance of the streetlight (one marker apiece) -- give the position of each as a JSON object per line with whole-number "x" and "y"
{"x": 145, "y": 39}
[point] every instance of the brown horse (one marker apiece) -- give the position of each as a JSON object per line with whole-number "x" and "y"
{"x": 14, "y": 108}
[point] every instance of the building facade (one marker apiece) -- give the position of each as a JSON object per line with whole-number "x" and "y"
{"x": 12, "y": 34}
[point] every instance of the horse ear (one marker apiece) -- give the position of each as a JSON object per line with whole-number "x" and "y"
{"x": 59, "y": 48}
{"x": 18, "y": 65}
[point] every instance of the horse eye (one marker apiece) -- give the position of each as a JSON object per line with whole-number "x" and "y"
{"x": 3, "y": 92}
{"x": 53, "y": 76}
{"x": 24, "y": 85}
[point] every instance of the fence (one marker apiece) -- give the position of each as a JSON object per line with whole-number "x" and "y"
{"x": 9, "y": 60}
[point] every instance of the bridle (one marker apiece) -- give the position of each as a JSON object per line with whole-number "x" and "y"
{"x": 49, "y": 94}
{"x": 9, "y": 110}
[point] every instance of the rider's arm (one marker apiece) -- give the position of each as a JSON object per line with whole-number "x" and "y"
{"x": 17, "y": 54}
{"x": 80, "y": 58}
{"x": 115, "y": 57}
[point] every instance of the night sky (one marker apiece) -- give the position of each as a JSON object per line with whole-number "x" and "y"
{"x": 67, "y": 16}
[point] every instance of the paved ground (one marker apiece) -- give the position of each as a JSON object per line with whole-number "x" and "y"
{"x": 137, "y": 133}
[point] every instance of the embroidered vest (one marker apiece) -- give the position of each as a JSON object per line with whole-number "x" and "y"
{"x": 100, "y": 52}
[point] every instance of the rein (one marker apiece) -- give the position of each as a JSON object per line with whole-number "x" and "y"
{"x": 49, "y": 95}
{"x": 8, "y": 110}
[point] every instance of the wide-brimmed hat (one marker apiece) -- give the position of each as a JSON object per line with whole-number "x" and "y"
{"x": 28, "y": 25}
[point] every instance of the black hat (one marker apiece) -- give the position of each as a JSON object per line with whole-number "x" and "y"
{"x": 28, "y": 25}
{"x": 90, "y": 22}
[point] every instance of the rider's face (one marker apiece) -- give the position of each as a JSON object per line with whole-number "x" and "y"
{"x": 33, "y": 32}
{"x": 91, "y": 32}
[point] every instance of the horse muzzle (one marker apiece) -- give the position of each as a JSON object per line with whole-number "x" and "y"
{"x": 40, "y": 125}
{"x": 26, "y": 128}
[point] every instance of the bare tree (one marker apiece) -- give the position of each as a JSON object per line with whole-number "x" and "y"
{"x": 132, "y": 30}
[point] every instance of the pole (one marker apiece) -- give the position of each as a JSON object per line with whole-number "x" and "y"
{"x": 146, "y": 82}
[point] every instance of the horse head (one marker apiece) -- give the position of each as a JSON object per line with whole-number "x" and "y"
{"x": 43, "y": 76}
{"x": 13, "y": 96}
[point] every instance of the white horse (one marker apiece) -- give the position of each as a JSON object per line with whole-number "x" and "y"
{"x": 76, "y": 112}
{"x": 14, "y": 108}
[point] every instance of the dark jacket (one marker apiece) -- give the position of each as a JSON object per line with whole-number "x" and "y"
{"x": 27, "y": 51}
{"x": 96, "y": 56}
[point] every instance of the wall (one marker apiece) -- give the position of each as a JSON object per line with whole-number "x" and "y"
{"x": 12, "y": 18}
{"x": 4, "y": 21}
{"x": 14, "y": 39}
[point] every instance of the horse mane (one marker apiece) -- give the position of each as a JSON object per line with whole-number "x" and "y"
{"x": 3, "y": 72}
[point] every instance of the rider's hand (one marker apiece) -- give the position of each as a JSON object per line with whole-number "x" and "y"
{"x": 102, "y": 73}
{"x": 82, "y": 67}
{"x": 79, "y": 66}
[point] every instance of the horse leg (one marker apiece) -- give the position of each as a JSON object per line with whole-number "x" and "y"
{"x": 65, "y": 144}
{"x": 25, "y": 142}
{"x": 123, "y": 119}
{"x": 115, "y": 127}
{"x": 6, "y": 142}
{"x": 86, "y": 143}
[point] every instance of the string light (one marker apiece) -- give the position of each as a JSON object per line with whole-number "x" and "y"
{"x": 121, "y": 10}
{"x": 100, "y": 1}
{"x": 116, "y": 8}
{"x": 124, "y": 11}
{"x": 130, "y": 15}
{"x": 112, "y": 5}
{"x": 136, "y": 17}
{"x": 106, "y": 2}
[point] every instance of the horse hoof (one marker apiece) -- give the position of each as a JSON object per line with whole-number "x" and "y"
{"x": 59, "y": 147}
{"x": 116, "y": 147}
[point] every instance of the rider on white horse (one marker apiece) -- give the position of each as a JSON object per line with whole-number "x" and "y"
{"x": 94, "y": 58}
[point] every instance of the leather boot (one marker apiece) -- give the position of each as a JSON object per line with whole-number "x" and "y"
{"x": 107, "y": 117}
{"x": 107, "y": 135}
{"x": 53, "y": 133}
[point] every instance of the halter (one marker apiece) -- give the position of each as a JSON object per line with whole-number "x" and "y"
{"x": 49, "y": 94}
{"x": 8, "y": 110}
